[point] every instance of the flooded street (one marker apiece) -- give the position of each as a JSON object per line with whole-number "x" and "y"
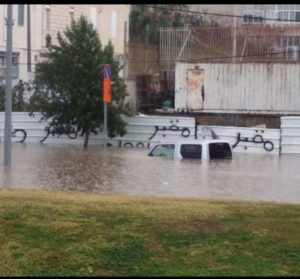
{"x": 129, "y": 171}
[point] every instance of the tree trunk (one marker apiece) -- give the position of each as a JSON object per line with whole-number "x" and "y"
{"x": 86, "y": 139}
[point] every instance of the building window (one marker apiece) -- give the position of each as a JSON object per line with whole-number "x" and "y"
{"x": 94, "y": 16}
{"x": 2, "y": 61}
{"x": 289, "y": 12}
{"x": 71, "y": 11}
{"x": 114, "y": 19}
{"x": 47, "y": 17}
{"x": 286, "y": 41}
{"x": 250, "y": 18}
{"x": 15, "y": 60}
{"x": 15, "y": 65}
{"x": 20, "y": 15}
{"x": 286, "y": 14}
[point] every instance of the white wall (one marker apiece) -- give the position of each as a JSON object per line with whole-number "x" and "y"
{"x": 290, "y": 134}
{"x": 142, "y": 132}
{"x": 246, "y": 88}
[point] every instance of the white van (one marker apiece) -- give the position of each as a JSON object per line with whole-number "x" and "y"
{"x": 204, "y": 149}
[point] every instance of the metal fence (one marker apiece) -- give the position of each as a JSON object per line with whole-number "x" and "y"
{"x": 241, "y": 43}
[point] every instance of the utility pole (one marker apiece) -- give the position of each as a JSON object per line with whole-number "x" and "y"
{"x": 125, "y": 50}
{"x": 146, "y": 67}
{"x": 28, "y": 39}
{"x": 8, "y": 89}
{"x": 105, "y": 125}
{"x": 106, "y": 96}
{"x": 234, "y": 37}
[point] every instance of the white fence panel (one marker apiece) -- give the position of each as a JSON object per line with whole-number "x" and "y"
{"x": 242, "y": 87}
{"x": 145, "y": 131}
{"x": 290, "y": 134}
{"x": 252, "y": 140}
{"x": 141, "y": 130}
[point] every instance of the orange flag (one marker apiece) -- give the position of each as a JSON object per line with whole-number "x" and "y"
{"x": 107, "y": 84}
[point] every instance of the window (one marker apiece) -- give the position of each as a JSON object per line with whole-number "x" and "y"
{"x": 286, "y": 41}
{"x": 270, "y": 7}
{"x": 292, "y": 53}
{"x": 279, "y": 41}
{"x": 283, "y": 15}
{"x": 15, "y": 65}
{"x": 252, "y": 18}
{"x": 71, "y": 11}
{"x": 191, "y": 151}
{"x": 47, "y": 17}
{"x": 114, "y": 19}
{"x": 14, "y": 60}
{"x": 94, "y": 16}
{"x": 287, "y": 14}
{"x": 20, "y": 15}
{"x": 220, "y": 150}
{"x": 164, "y": 150}
{"x": 2, "y": 61}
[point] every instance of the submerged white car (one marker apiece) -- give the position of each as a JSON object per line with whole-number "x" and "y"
{"x": 204, "y": 149}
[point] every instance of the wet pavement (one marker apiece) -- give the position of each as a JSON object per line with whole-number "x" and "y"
{"x": 130, "y": 171}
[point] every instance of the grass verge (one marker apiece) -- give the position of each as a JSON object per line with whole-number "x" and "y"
{"x": 73, "y": 234}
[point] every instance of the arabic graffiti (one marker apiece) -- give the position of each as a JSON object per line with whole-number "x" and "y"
{"x": 69, "y": 131}
{"x": 185, "y": 132}
{"x": 20, "y": 135}
{"x": 17, "y": 135}
{"x": 268, "y": 145}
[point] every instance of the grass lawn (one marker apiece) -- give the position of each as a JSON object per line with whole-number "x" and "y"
{"x": 65, "y": 234}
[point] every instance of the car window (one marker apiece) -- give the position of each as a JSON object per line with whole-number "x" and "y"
{"x": 220, "y": 150}
{"x": 164, "y": 150}
{"x": 191, "y": 151}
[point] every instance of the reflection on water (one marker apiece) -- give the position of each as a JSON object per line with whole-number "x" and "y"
{"x": 130, "y": 171}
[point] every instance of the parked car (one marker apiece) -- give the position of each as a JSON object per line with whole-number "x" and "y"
{"x": 205, "y": 149}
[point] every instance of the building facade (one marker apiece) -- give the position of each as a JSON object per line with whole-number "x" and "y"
{"x": 33, "y": 22}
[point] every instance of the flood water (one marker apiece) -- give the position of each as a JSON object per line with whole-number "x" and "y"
{"x": 129, "y": 171}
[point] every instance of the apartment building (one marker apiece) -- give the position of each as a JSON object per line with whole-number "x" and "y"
{"x": 33, "y": 22}
{"x": 289, "y": 14}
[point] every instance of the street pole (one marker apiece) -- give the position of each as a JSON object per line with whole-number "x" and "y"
{"x": 105, "y": 123}
{"x": 8, "y": 89}
{"x": 234, "y": 36}
{"x": 28, "y": 39}
{"x": 106, "y": 95}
